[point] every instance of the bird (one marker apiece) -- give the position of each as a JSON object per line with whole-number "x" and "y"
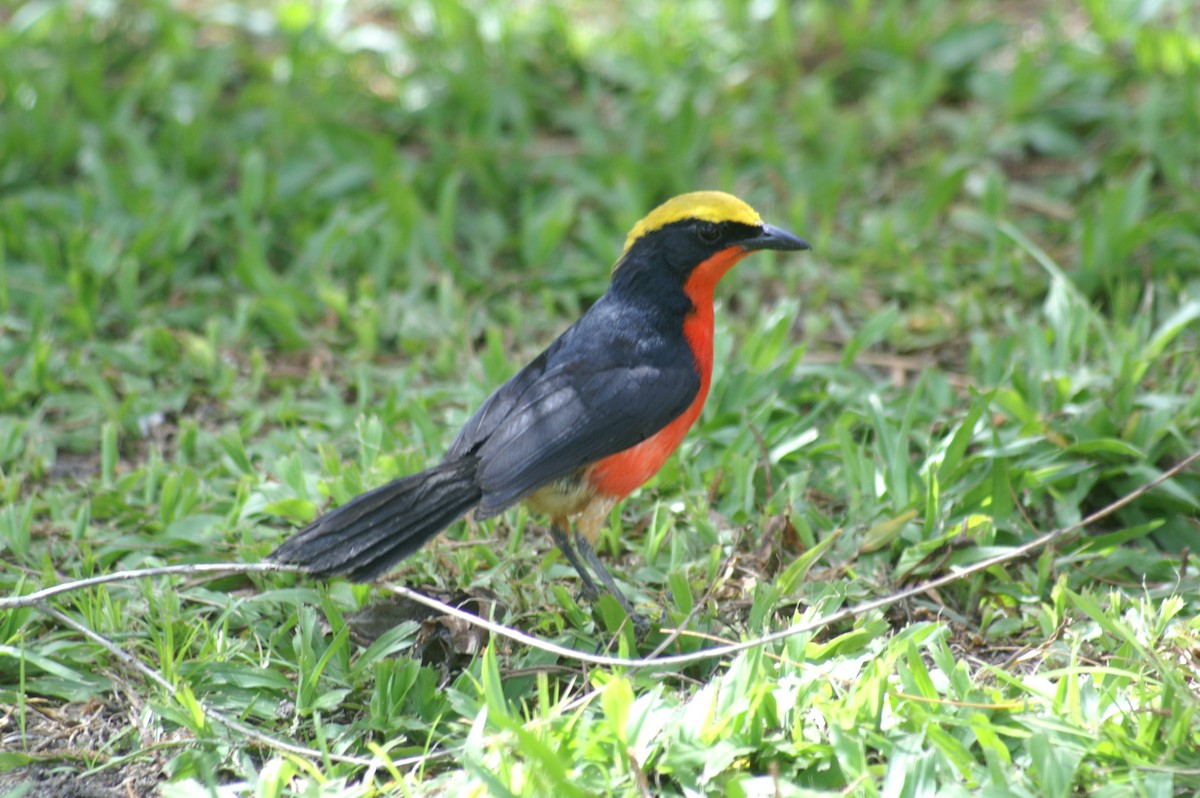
{"x": 584, "y": 424}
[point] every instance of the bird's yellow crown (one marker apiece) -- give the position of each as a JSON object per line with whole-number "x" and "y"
{"x": 708, "y": 206}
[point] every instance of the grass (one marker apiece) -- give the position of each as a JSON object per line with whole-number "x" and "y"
{"x": 257, "y": 258}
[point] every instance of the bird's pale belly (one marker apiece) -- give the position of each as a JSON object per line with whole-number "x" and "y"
{"x": 574, "y": 496}
{"x": 563, "y": 497}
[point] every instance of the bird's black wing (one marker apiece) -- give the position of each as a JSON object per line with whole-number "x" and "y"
{"x": 576, "y": 412}
{"x": 496, "y": 407}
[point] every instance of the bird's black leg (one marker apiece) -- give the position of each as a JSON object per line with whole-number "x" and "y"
{"x": 593, "y": 560}
{"x": 589, "y": 590}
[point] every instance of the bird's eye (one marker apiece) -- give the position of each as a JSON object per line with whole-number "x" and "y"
{"x": 709, "y": 233}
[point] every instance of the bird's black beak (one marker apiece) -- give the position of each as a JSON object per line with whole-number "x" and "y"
{"x": 772, "y": 237}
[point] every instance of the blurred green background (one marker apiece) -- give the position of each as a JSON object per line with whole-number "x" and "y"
{"x": 257, "y": 257}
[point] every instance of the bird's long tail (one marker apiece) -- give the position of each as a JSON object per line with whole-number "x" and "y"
{"x": 368, "y": 534}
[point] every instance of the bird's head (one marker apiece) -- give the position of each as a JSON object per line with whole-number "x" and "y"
{"x": 697, "y": 237}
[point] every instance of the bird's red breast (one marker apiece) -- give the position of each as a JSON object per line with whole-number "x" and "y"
{"x": 620, "y": 474}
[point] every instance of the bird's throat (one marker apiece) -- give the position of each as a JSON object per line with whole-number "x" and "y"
{"x": 698, "y": 325}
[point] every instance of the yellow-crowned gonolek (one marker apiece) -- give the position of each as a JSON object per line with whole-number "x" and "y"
{"x": 588, "y": 421}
